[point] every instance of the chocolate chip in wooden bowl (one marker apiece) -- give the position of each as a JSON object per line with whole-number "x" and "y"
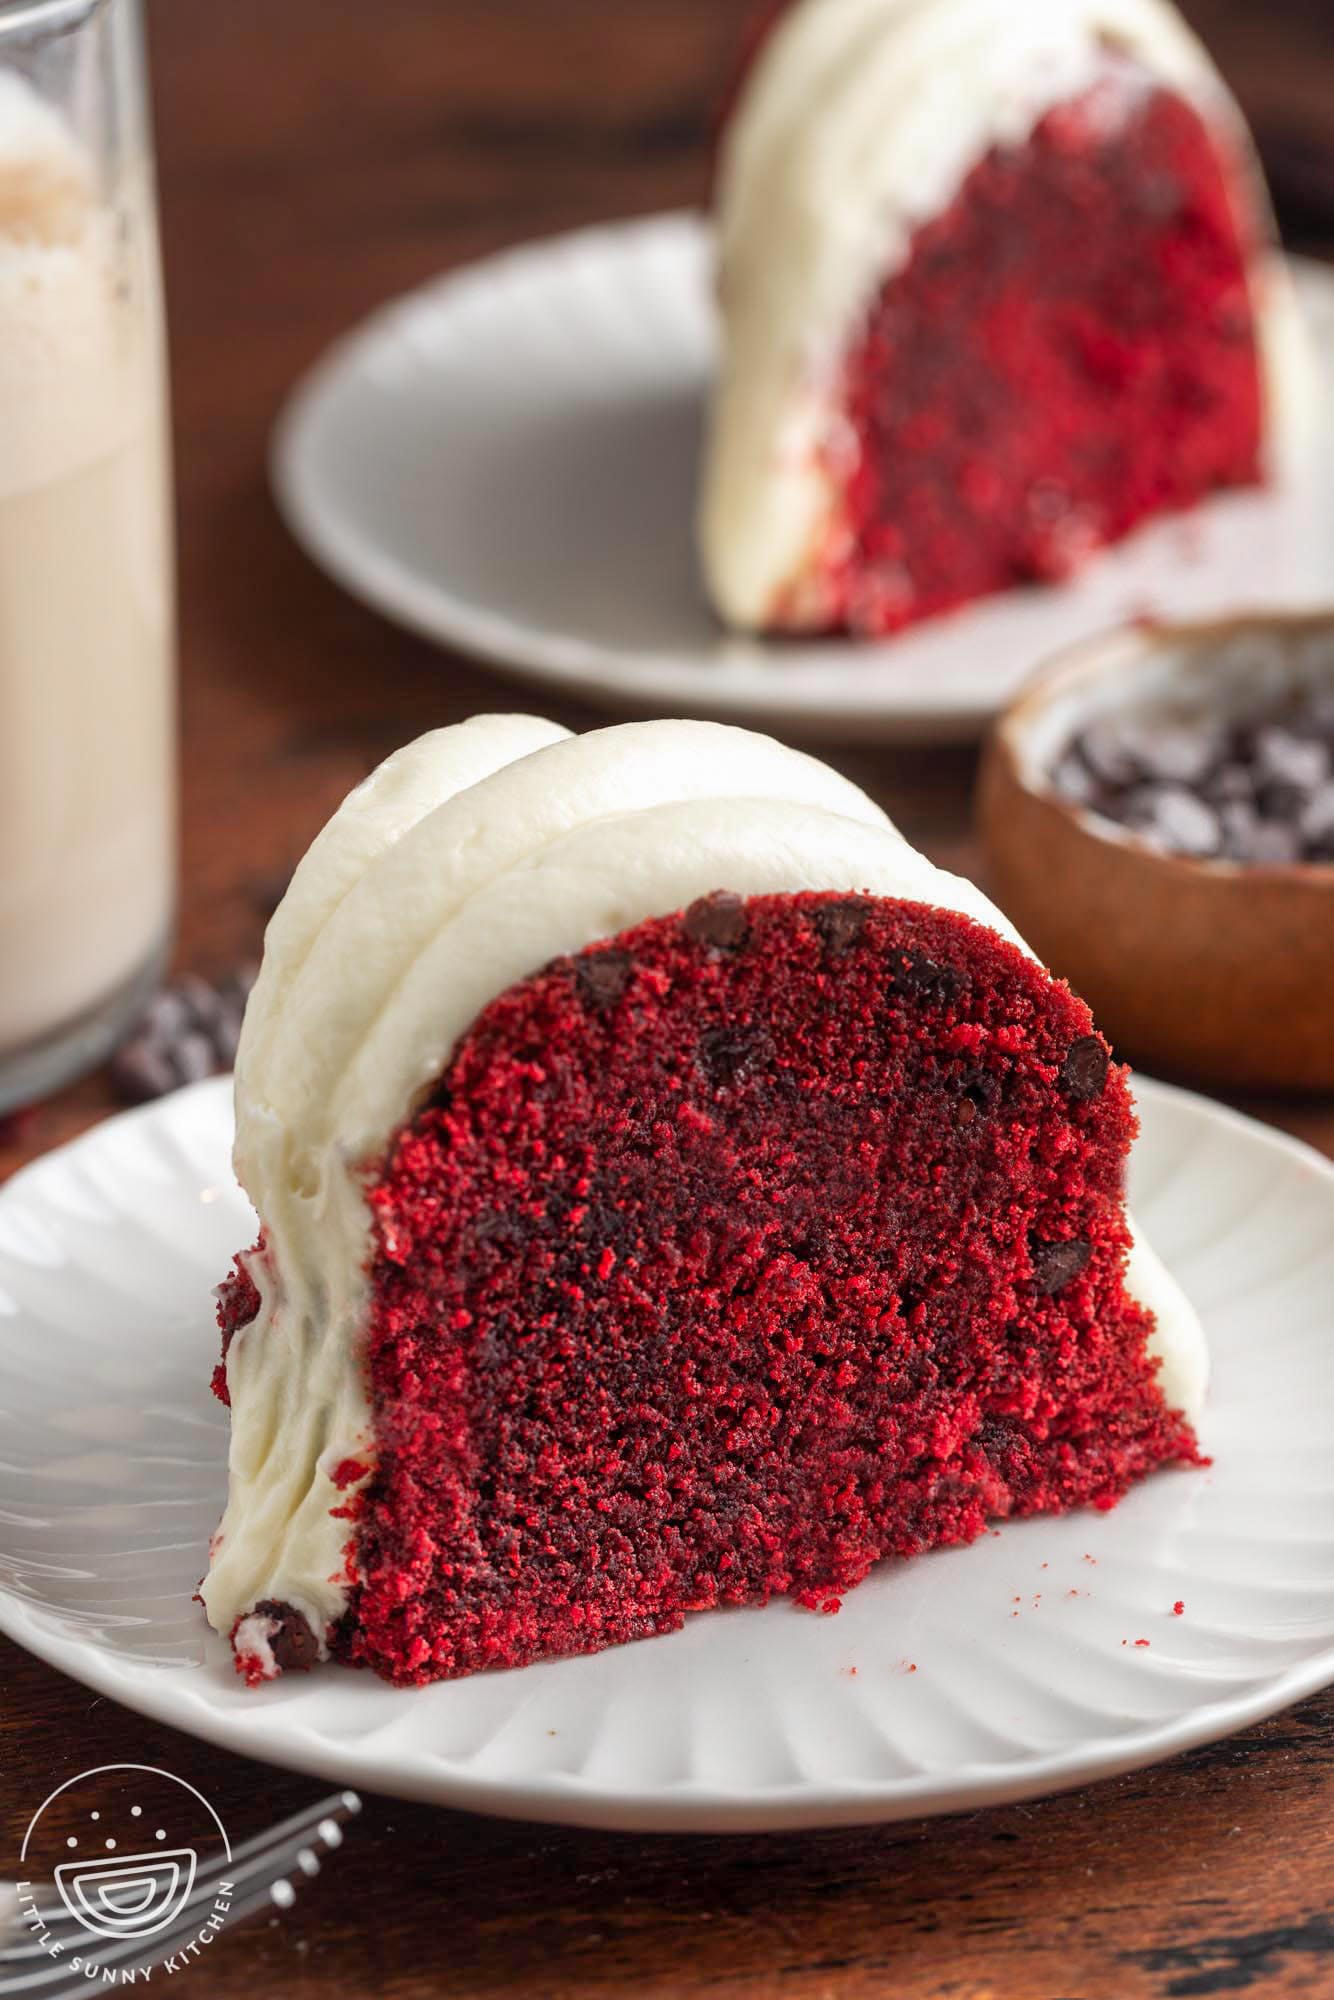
{"x": 718, "y": 921}
{"x": 602, "y": 976}
{"x": 1056, "y": 1265}
{"x": 841, "y": 924}
{"x": 1084, "y": 1071}
{"x": 1174, "y": 819}
{"x": 1244, "y": 791}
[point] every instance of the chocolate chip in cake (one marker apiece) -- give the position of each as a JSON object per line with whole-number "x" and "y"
{"x": 1055, "y": 1265}
{"x": 726, "y": 1053}
{"x": 966, "y": 1111}
{"x": 294, "y": 1646}
{"x": 1084, "y": 1071}
{"x": 602, "y": 976}
{"x": 841, "y": 924}
{"x": 924, "y": 978}
{"x": 718, "y": 921}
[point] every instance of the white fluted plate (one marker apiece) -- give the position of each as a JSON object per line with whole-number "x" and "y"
{"x": 971, "y": 1676}
{"x": 506, "y": 461}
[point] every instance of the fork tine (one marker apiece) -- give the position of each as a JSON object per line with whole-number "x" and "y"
{"x": 295, "y": 1843}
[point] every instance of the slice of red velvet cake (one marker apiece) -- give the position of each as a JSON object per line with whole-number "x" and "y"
{"x": 997, "y": 287}
{"x": 674, "y": 1191}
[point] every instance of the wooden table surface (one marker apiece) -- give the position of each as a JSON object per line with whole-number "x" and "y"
{"x": 317, "y": 156}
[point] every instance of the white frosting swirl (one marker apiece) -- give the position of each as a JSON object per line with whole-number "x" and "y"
{"x": 860, "y": 121}
{"x": 398, "y": 934}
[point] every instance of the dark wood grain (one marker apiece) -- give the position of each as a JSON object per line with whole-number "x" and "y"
{"x": 317, "y": 156}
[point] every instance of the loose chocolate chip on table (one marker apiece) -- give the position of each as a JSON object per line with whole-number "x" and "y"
{"x": 1084, "y": 1071}
{"x": 1056, "y": 1264}
{"x": 602, "y": 976}
{"x": 143, "y": 1068}
{"x": 187, "y": 1032}
{"x": 1230, "y": 783}
{"x": 718, "y": 920}
{"x": 841, "y": 925}
{"x": 294, "y": 1646}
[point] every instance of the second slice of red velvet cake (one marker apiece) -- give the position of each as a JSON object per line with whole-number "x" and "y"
{"x": 997, "y": 287}
{"x": 687, "y": 1196}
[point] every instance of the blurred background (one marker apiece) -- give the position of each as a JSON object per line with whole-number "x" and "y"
{"x": 316, "y": 158}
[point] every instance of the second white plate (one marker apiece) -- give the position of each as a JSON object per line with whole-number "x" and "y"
{"x": 506, "y": 461}
{"x": 1048, "y": 1654}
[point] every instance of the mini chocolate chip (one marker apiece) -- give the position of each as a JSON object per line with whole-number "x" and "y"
{"x": 726, "y": 1053}
{"x": 1115, "y": 750}
{"x": 602, "y": 976}
{"x": 186, "y": 1032}
{"x": 841, "y": 925}
{"x": 1239, "y": 821}
{"x": 1296, "y": 764}
{"x": 142, "y": 1069}
{"x": 921, "y": 976}
{"x": 1056, "y": 1264}
{"x": 1160, "y": 196}
{"x": 1274, "y": 844}
{"x": 1317, "y": 822}
{"x": 1174, "y": 819}
{"x": 195, "y": 1056}
{"x": 201, "y": 1000}
{"x": 294, "y": 1646}
{"x": 718, "y": 920}
{"x": 966, "y": 1111}
{"x": 1084, "y": 1071}
{"x": 1231, "y": 784}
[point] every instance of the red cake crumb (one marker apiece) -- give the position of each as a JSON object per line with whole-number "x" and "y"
{"x": 1069, "y": 351}
{"x": 238, "y": 1304}
{"x": 1178, "y": 1608}
{"x": 860, "y": 1166}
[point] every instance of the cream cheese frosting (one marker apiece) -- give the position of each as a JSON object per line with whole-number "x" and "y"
{"x": 400, "y": 932}
{"x": 860, "y": 121}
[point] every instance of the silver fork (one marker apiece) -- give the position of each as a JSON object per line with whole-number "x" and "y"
{"x": 264, "y": 1873}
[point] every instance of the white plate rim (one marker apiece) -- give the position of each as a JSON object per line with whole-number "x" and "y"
{"x": 167, "y": 1695}
{"x": 572, "y": 667}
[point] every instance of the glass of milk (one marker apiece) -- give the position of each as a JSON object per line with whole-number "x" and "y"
{"x": 87, "y": 783}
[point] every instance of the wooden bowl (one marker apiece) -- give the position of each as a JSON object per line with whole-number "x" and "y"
{"x": 1220, "y": 971}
